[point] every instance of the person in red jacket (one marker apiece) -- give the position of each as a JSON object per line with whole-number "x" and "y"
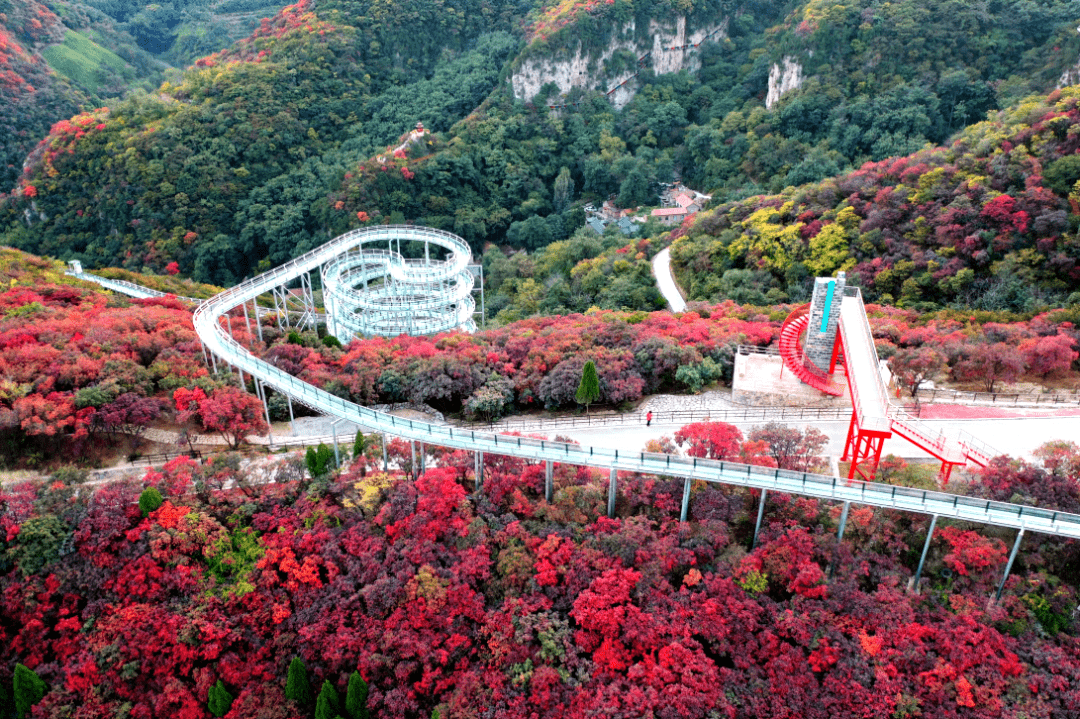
{"x": 648, "y": 418}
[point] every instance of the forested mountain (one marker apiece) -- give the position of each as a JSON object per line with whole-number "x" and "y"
{"x": 988, "y": 222}
{"x": 272, "y": 146}
{"x": 56, "y": 59}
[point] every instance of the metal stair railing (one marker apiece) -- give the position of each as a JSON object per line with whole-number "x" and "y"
{"x": 943, "y": 504}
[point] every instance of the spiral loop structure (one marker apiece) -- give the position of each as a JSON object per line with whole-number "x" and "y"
{"x": 370, "y": 288}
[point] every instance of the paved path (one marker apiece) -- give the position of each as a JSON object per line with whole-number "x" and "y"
{"x": 1017, "y": 437}
{"x": 661, "y": 265}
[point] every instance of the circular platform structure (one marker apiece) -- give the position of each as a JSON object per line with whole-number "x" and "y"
{"x": 370, "y": 288}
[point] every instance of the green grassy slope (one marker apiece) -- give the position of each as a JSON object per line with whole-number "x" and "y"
{"x": 83, "y": 61}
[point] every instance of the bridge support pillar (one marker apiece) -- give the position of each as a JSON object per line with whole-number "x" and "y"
{"x": 260, "y": 390}
{"x": 337, "y": 452}
{"x": 479, "y": 471}
{"x": 685, "y": 499}
{"x": 760, "y": 514}
{"x": 946, "y": 472}
{"x": 613, "y": 482}
{"x": 1012, "y": 558}
{"x": 549, "y": 469}
{"x": 925, "y": 551}
{"x": 292, "y": 418}
{"x": 385, "y": 460}
{"x": 839, "y": 539}
{"x": 415, "y": 466}
{"x": 423, "y": 458}
{"x": 863, "y": 449}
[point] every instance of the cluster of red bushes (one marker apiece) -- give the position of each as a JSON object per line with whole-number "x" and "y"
{"x": 504, "y": 605}
{"x": 539, "y": 360}
{"x": 73, "y": 364}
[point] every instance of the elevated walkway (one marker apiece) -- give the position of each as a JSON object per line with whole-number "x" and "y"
{"x": 216, "y": 339}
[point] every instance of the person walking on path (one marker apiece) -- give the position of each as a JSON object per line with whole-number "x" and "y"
{"x": 648, "y": 418}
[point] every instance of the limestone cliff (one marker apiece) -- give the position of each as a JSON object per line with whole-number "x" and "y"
{"x": 783, "y": 77}
{"x": 672, "y": 48}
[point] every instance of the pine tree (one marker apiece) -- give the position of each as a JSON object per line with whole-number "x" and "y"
{"x": 297, "y": 687}
{"x": 325, "y": 456}
{"x": 220, "y": 700}
{"x": 589, "y": 389}
{"x": 326, "y": 707}
{"x": 29, "y": 690}
{"x": 356, "y": 697}
{"x": 149, "y": 500}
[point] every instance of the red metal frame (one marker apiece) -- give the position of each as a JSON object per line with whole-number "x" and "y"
{"x": 863, "y": 448}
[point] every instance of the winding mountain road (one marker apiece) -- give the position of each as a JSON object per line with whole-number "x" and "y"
{"x": 665, "y": 281}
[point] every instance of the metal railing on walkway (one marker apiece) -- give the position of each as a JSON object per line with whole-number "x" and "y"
{"x": 669, "y": 417}
{"x": 217, "y": 340}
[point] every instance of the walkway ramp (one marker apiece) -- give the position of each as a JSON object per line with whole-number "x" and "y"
{"x": 871, "y": 398}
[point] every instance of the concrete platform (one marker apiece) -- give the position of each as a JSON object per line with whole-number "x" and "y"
{"x": 763, "y": 381}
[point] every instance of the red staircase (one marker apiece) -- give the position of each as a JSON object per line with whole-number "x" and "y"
{"x": 791, "y": 333}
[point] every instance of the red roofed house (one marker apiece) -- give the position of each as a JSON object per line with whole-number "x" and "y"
{"x": 687, "y": 203}
{"x": 670, "y": 215}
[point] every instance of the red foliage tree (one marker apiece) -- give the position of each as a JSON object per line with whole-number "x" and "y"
{"x": 227, "y": 410}
{"x": 712, "y": 440}
{"x": 1048, "y": 355}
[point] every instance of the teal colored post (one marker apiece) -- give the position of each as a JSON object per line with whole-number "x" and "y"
{"x": 828, "y": 305}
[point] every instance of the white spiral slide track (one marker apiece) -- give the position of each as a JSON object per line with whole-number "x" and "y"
{"x": 338, "y": 253}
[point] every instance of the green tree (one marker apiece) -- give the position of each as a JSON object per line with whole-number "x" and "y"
{"x": 220, "y": 700}
{"x": 588, "y": 390}
{"x": 29, "y": 690}
{"x": 563, "y": 191}
{"x": 150, "y": 500}
{"x": 320, "y": 461}
{"x": 297, "y": 686}
{"x": 326, "y": 706}
{"x": 356, "y": 697}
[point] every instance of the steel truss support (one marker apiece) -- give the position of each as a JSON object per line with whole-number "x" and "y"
{"x": 925, "y": 551}
{"x": 299, "y": 303}
{"x": 685, "y": 500}
{"x": 760, "y": 514}
{"x": 1012, "y": 558}
{"x": 946, "y": 471}
{"x": 337, "y": 453}
{"x": 863, "y": 450}
{"x": 839, "y": 539}
{"x": 613, "y": 485}
{"x": 261, "y": 391}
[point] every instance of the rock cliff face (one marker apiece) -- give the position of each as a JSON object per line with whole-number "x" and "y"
{"x": 672, "y": 50}
{"x": 786, "y": 76}
{"x": 1071, "y": 75}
